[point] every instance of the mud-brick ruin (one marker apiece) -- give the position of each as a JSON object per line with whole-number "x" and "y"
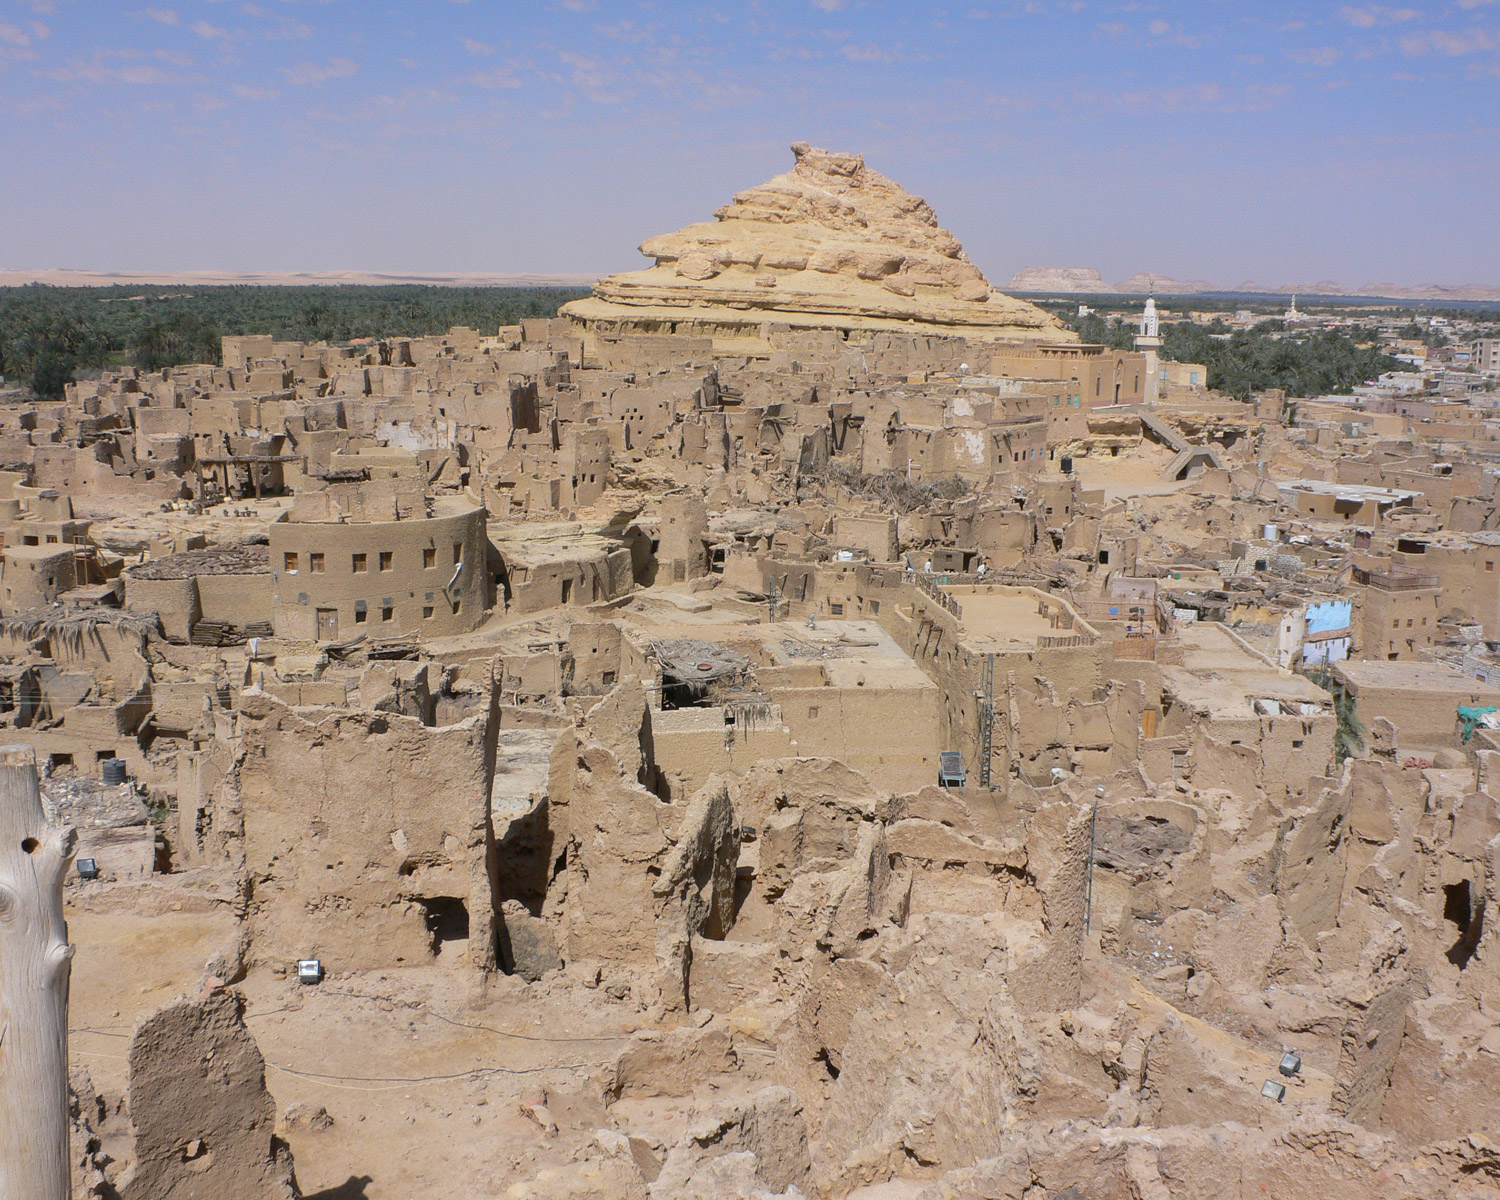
{"x": 796, "y": 724}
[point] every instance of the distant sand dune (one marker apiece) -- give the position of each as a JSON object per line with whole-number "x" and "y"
{"x": 1087, "y": 281}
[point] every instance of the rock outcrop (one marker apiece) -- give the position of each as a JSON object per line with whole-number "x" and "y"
{"x": 830, "y": 244}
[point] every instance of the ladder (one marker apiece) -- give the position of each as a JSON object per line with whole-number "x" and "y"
{"x": 986, "y": 720}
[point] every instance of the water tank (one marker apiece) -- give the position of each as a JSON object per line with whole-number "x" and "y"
{"x": 1270, "y": 533}
{"x": 114, "y": 772}
{"x": 1067, "y": 464}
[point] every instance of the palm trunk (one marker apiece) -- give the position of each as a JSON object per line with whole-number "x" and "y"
{"x": 35, "y": 961}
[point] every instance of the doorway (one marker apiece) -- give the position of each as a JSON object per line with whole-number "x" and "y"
{"x": 328, "y": 624}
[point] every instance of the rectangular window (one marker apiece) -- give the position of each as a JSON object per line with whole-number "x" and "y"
{"x": 360, "y": 615}
{"x": 315, "y": 562}
{"x": 360, "y": 564}
{"x": 458, "y": 553}
{"x": 289, "y": 561}
{"x": 387, "y": 612}
{"x": 386, "y": 558}
{"x": 874, "y": 608}
{"x": 836, "y": 609}
{"x": 457, "y": 604}
{"x": 429, "y": 557}
{"x": 426, "y": 612}
{"x": 1489, "y": 565}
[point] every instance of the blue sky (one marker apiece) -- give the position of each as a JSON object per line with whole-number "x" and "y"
{"x": 1218, "y": 139}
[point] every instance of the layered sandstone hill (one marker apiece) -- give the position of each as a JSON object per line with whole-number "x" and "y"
{"x": 830, "y": 244}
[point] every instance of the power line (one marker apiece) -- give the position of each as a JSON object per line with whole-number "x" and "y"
{"x": 407, "y": 1080}
{"x": 394, "y": 1081}
{"x": 524, "y": 1037}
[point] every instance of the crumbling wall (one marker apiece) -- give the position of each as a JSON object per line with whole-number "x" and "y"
{"x": 643, "y": 877}
{"x": 364, "y": 834}
{"x": 202, "y": 1116}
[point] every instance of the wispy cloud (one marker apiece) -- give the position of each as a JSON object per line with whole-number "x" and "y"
{"x": 315, "y": 73}
{"x": 1204, "y": 97}
{"x": 1370, "y": 15}
{"x": 167, "y": 16}
{"x": 499, "y": 77}
{"x": 1158, "y": 30}
{"x": 128, "y": 66}
{"x": 592, "y": 78}
{"x": 628, "y": 31}
{"x": 18, "y": 44}
{"x": 869, "y": 52}
{"x": 210, "y": 32}
{"x": 1452, "y": 43}
{"x": 1315, "y": 56}
{"x": 474, "y": 47}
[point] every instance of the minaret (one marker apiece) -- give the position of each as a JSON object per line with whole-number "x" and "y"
{"x": 1148, "y": 341}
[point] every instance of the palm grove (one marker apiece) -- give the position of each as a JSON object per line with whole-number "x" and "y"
{"x": 48, "y": 333}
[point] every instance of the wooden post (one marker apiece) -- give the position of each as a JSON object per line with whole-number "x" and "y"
{"x": 35, "y": 962}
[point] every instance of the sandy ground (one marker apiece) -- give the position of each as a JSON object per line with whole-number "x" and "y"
{"x": 1005, "y": 616}
{"x": 1135, "y": 474}
{"x": 421, "y": 1071}
{"x": 1207, "y": 647}
{"x": 422, "y": 1076}
{"x": 125, "y": 966}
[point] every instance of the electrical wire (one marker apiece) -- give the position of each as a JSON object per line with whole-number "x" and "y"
{"x": 391, "y": 1082}
{"x": 524, "y": 1037}
{"x": 405, "y": 1080}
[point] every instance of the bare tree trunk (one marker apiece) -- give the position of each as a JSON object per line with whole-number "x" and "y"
{"x": 35, "y": 961}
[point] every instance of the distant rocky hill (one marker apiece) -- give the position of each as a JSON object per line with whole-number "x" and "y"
{"x": 829, "y": 245}
{"x": 1087, "y": 281}
{"x": 1083, "y": 280}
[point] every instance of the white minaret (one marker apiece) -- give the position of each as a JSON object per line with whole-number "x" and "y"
{"x": 1148, "y": 341}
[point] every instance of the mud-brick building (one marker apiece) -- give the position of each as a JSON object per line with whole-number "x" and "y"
{"x": 33, "y": 577}
{"x": 333, "y": 579}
